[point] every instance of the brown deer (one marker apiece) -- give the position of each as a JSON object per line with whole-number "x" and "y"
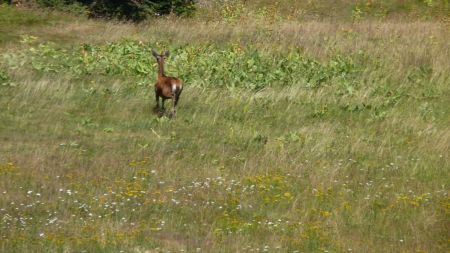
{"x": 166, "y": 87}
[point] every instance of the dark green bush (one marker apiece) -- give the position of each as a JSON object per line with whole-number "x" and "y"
{"x": 74, "y": 6}
{"x": 136, "y": 10}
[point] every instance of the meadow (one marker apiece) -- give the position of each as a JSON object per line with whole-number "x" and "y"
{"x": 292, "y": 135}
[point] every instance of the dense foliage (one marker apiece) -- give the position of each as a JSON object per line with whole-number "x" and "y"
{"x": 128, "y": 9}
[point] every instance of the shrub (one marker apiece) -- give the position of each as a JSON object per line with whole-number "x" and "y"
{"x": 136, "y": 10}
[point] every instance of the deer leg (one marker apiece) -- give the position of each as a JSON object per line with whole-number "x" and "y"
{"x": 163, "y": 100}
{"x": 157, "y": 100}
{"x": 174, "y": 101}
{"x": 177, "y": 97}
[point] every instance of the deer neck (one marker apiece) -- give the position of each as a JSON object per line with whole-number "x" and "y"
{"x": 161, "y": 69}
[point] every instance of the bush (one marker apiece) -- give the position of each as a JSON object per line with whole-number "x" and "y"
{"x": 136, "y": 10}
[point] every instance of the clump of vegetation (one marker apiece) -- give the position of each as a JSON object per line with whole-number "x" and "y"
{"x": 4, "y": 78}
{"x": 129, "y": 9}
{"x": 231, "y": 67}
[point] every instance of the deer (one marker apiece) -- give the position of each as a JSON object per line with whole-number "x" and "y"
{"x": 166, "y": 87}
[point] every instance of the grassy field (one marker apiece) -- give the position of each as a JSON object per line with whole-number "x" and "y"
{"x": 291, "y": 135}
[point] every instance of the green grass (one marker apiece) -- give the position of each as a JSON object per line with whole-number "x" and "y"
{"x": 290, "y": 136}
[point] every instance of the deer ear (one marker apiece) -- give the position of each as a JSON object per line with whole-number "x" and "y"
{"x": 167, "y": 54}
{"x": 154, "y": 53}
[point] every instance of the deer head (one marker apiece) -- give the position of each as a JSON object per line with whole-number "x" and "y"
{"x": 160, "y": 57}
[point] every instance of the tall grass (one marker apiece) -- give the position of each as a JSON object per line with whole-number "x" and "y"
{"x": 233, "y": 10}
{"x": 290, "y": 136}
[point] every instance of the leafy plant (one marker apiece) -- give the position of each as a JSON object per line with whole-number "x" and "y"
{"x": 232, "y": 10}
{"x": 231, "y": 67}
{"x": 5, "y": 80}
{"x": 356, "y": 13}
